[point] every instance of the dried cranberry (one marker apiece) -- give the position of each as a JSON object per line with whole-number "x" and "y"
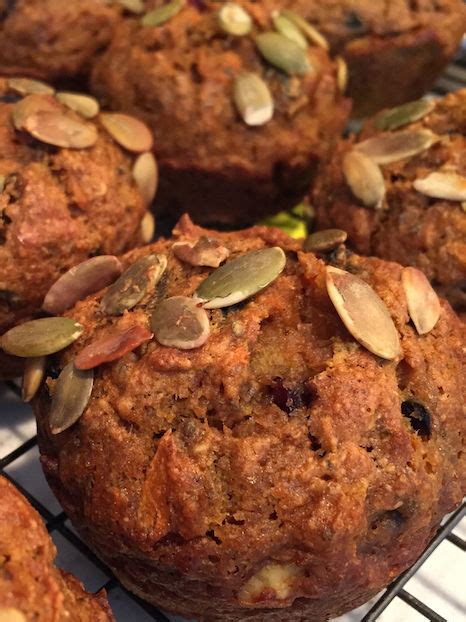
{"x": 289, "y": 399}
{"x": 419, "y": 418}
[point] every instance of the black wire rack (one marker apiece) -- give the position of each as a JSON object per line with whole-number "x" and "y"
{"x": 453, "y": 79}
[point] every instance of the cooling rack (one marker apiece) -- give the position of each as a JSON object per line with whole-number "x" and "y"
{"x": 432, "y": 589}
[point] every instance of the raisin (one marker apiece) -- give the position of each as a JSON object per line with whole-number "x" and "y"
{"x": 419, "y": 418}
{"x": 289, "y": 399}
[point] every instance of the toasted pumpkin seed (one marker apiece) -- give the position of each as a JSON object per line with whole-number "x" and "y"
{"x": 288, "y": 29}
{"x": 147, "y": 228}
{"x": 449, "y": 186}
{"x": 364, "y": 178}
{"x": 311, "y": 33}
{"x": 129, "y": 132}
{"x": 56, "y": 128}
{"x": 40, "y": 337}
{"x": 388, "y": 148}
{"x": 11, "y": 614}
{"x": 33, "y": 374}
{"x": 27, "y": 86}
{"x": 241, "y": 278}
{"x": 283, "y": 53}
{"x": 342, "y": 74}
{"x": 397, "y": 117}
{"x": 85, "y": 105}
{"x": 134, "y": 6}
{"x": 146, "y": 176}
{"x": 31, "y": 105}
{"x": 136, "y": 282}
{"x": 363, "y": 313}
{"x": 204, "y": 252}
{"x": 180, "y": 322}
{"x": 73, "y": 390}
{"x": 423, "y": 303}
{"x": 234, "y": 20}
{"x": 325, "y": 240}
{"x": 253, "y": 99}
{"x": 162, "y": 14}
{"x": 2, "y": 182}
{"x": 112, "y": 346}
{"x": 81, "y": 281}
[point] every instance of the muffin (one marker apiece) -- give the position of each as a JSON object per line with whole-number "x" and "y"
{"x": 52, "y": 39}
{"x": 31, "y": 587}
{"x": 230, "y": 449}
{"x": 68, "y": 190}
{"x": 394, "y": 50}
{"x": 411, "y": 209}
{"x": 240, "y": 120}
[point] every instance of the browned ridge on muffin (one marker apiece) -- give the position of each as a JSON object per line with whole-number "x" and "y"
{"x": 31, "y": 587}
{"x": 399, "y": 190}
{"x": 68, "y": 191}
{"x": 243, "y": 429}
{"x": 241, "y": 114}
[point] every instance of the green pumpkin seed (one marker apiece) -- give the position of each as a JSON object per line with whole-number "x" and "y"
{"x": 27, "y": 86}
{"x": 311, "y": 33}
{"x": 439, "y": 185}
{"x": 147, "y": 228}
{"x": 129, "y": 132}
{"x": 282, "y": 53}
{"x": 162, "y": 14}
{"x": 180, "y": 322}
{"x": 394, "y": 118}
{"x": 85, "y": 105}
{"x": 253, "y": 99}
{"x": 423, "y": 303}
{"x": 293, "y": 225}
{"x": 81, "y": 281}
{"x": 364, "y": 178}
{"x": 146, "y": 175}
{"x": 234, "y": 20}
{"x": 73, "y": 390}
{"x": 57, "y": 129}
{"x": 325, "y": 240}
{"x": 363, "y": 313}
{"x": 288, "y": 29}
{"x": 34, "y": 370}
{"x": 241, "y": 278}
{"x": 40, "y": 337}
{"x": 136, "y": 282}
{"x": 396, "y": 146}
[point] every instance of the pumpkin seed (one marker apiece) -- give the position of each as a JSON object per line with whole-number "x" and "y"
{"x": 234, "y": 20}
{"x": 31, "y": 105}
{"x": 112, "y": 347}
{"x": 311, "y": 33}
{"x": 11, "y": 614}
{"x": 40, "y": 337}
{"x": 147, "y": 228}
{"x": 27, "y": 86}
{"x": 85, "y": 105}
{"x": 394, "y": 118}
{"x": 146, "y": 176}
{"x": 293, "y": 225}
{"x": 59, "y": 130}
{"x": 288, "y": 29}
{"x": 363, "y": 313}
{"x": 81, "y": 281}
{"x": 388, "y": 148}
{"x": 137, "y": 281}
{"x": 73, "y": 390}
{"x": 241, "y": 278}
{"x": 129, "y": 132}
{"x": 204, "y": 252}
{"x": 325, "y": 240}
{"x": 364, "y": 178}
{"x": 449, "y": 186}
{"x": 282, "y": 53}
{"x": 2, "y": 182}
{"x": 162, "y": 14}
{"x": 134, "y": 6}
{"x": 342, "y": 74}
{"x": 253, "y": 99}
{"x": 34, "y": 370}
{"x": 180, "y": 322}
{"x": 423, "y": 303}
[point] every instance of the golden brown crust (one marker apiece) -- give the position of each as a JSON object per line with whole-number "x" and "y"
{"x": 273, "y": 465}
{"x": 28, "y": 580}
{"x": 412, "y": 229}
